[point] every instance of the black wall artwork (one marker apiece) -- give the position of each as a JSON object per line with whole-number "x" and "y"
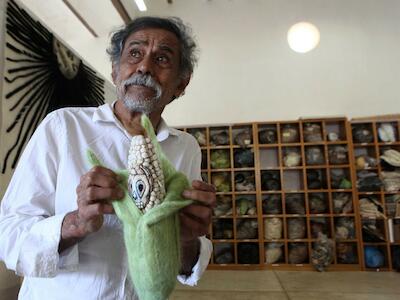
{"x": 40, "y": 75}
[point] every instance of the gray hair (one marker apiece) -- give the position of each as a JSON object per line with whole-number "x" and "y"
{"x": 188, "y": 47}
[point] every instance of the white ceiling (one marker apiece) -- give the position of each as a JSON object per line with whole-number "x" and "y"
{"x": 100, "y": 15}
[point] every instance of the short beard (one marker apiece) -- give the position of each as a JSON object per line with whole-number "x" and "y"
{"x": 139, "y": 102}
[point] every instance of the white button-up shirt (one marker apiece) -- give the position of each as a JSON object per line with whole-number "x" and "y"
{"x": 43, "y": 190}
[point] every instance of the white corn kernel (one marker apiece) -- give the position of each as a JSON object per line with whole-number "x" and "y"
{"x": 146, "y": 180}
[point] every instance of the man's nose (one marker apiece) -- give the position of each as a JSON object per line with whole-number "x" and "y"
{"x": 146, "y": 65}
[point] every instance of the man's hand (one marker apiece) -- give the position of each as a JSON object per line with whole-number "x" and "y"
{"x": 195, "y": 220}
{"x": 95, "y": 190}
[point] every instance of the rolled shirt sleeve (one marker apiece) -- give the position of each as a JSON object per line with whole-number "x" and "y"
{"x": 44, "y": 261}
{"x": 201, "y": 265}
{"x": 29, "y": 230}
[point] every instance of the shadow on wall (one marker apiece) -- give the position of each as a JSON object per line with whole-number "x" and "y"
{"x": 9, "y": 284}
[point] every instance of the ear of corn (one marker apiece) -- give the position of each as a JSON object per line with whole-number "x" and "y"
{"x": 151, "y": 238}
{"x": 146, "y": 179}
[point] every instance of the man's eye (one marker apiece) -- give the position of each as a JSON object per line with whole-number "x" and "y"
{"x": 162, "y": 59}
{"x": 135, "y": 53}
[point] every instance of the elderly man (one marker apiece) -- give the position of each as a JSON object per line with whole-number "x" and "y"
{"x": 57, "y": 225}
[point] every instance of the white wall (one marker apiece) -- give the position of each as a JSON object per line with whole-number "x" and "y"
{"x": 248, "y": 73}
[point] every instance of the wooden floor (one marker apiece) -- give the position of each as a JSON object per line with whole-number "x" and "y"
{"x": 276, "y": 285}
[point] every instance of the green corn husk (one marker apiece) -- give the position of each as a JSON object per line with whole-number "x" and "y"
{"x": 152, "y": 239}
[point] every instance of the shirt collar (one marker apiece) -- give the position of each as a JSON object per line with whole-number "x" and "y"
{"x": 104, "y": 113}
{"x": 164, "y": 131}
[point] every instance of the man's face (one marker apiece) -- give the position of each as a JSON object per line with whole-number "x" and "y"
{"x": 147, "y": 77}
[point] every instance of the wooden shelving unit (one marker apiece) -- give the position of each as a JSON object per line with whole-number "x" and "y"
{"x": 367, "y": 142}
{"x": 279, "y": 184}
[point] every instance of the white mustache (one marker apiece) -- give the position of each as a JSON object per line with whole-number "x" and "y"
{"x": 144, "y": 80}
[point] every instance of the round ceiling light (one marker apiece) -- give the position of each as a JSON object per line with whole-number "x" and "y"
{"x": 303, "y": 37}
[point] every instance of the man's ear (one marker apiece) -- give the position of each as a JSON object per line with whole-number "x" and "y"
{"x": 182, "y": 85}
{"x": 114, "y": 70}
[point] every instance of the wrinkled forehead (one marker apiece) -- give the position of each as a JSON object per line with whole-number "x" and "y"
{"x": 156, "y": 37}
